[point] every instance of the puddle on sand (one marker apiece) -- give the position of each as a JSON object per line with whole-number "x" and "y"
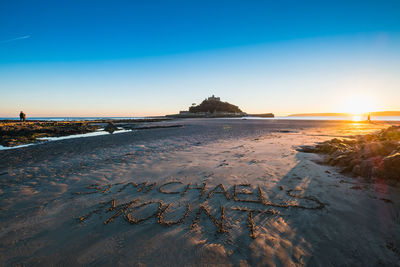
{"x": 12, "y": 147}
{"x": 97, "y": 133}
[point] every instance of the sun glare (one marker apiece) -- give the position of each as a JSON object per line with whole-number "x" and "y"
{"x": 357, "y": 106}
{"x": 356, "y": 118}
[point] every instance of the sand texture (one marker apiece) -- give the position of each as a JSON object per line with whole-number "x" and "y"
{"x": 223, "y": 192}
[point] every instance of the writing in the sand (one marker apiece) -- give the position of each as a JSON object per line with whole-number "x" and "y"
{"x": 250, "y": 200}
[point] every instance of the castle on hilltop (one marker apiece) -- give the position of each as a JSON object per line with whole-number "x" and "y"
{"x": 213, "y": 107}
{"x": 213, "y": 98}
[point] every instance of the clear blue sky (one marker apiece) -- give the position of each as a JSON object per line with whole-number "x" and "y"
{"x": 132, "y": 58}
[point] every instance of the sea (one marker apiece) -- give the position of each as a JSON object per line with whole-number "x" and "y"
{"x": 330, "y": 118}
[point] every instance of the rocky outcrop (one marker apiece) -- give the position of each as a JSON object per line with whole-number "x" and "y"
{"x": 370, "y": 156}
{"x": 18, "y": 133}
{"x": 110, "y": 127}
{"x": 392, "y": 165}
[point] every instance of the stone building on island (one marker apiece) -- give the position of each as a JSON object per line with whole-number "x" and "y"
{"x": 213, "y": 107}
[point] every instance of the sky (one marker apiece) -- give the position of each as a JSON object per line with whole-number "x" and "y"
{"x": 145, "y": 58}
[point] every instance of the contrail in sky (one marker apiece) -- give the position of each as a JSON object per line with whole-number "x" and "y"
{"x": 15, "y": 39}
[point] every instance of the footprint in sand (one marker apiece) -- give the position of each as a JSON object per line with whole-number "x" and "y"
{"x": 386, "y": 200}
{"x": 208, "y": 175}
{"x": 223, "y": 163}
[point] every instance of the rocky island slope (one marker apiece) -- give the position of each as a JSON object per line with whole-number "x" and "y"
{"x": 213, "y": 107}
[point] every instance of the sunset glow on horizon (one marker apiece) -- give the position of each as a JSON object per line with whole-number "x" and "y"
{"x": 358, "y": 105}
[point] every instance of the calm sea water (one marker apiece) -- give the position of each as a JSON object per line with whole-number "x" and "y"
{"x": 377, "y": 118}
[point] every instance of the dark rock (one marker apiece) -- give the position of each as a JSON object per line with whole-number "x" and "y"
{"x": 392, "y": 165}
{"x": 111, "y": 127}
{"x": 366, "y": 168}
{"x": 307, "y": 149}
{"x": 377, "y": 165}
{"x": 356, "y": 187}
{"x": 356, "y": 170}
{"x": 386, "y": 200}
{"x": 374, "y": 149}
{"x": 341, "y": 160}
{"x": 392, "y": 133}
{"x": 354, "y": 161}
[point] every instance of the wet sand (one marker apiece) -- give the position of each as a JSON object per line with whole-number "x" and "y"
{"x": 215, "y": 191}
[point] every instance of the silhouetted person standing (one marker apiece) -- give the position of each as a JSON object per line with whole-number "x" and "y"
{"x": 22, "y": 116}
{"x": 369, "y": 117}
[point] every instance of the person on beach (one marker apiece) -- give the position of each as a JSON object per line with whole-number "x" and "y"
{"x": 369, "y": 117}
{"x": 22, "y": 116}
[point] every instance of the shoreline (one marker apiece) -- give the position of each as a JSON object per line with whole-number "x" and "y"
{"x": 14, "y": 133}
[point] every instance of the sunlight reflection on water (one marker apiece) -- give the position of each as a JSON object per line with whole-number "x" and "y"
{"x": 57, "y": 138}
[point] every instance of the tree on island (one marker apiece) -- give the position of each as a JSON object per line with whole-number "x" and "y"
{"x": 214, "y": 104}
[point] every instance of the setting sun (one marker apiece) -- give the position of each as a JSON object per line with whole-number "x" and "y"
{"x": 356, "y": 117}
{"x": 358, "y": 105}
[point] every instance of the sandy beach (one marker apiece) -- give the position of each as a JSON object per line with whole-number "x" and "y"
{"x": 224, "y": 192}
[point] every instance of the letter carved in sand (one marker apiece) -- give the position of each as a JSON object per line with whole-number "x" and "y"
{"x": 136, "y": 203}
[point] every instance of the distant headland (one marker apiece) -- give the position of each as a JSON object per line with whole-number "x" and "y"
{"x": 378, "y": 113}
{"x": 213, "y": 107}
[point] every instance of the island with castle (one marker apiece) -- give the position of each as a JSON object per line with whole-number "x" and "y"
{"x": 213, "y": 107}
